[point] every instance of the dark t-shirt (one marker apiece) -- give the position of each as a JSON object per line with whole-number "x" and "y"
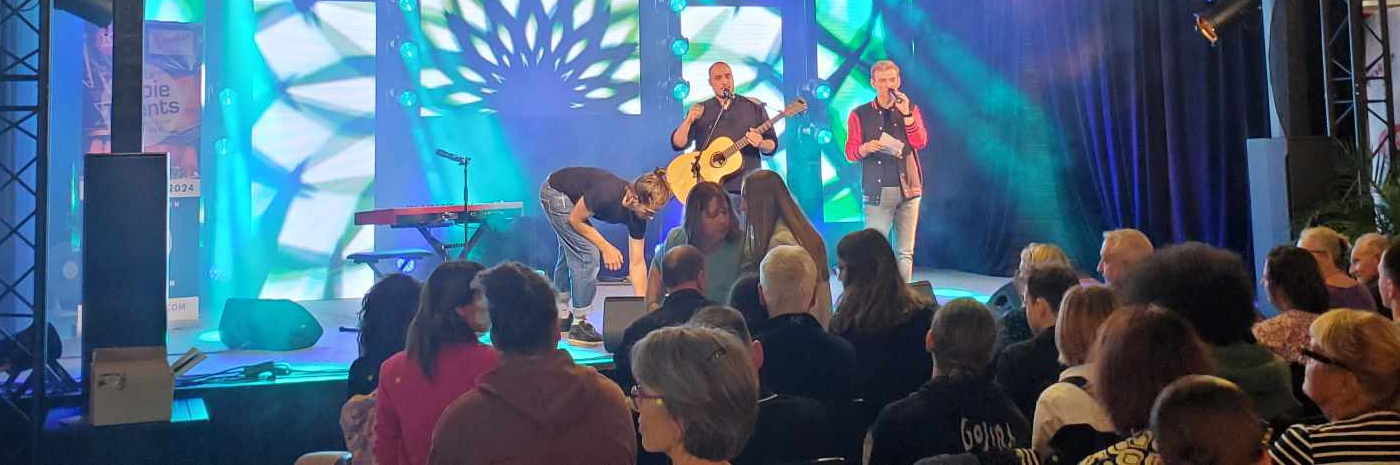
{"x": 734, "y": 124}
{"x": 603, "y": 192}
{"x": 789, "y": 429}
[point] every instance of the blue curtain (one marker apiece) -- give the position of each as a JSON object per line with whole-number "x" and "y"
{"x": 1054, "y": 121}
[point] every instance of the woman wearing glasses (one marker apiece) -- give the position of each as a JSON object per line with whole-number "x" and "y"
{"x": 696, "y": 395}
{"x": 570, "y": 198}
{"x": 1353, "y": 373}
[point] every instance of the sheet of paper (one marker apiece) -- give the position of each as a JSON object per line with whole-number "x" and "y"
{"x": 892, "y": 146}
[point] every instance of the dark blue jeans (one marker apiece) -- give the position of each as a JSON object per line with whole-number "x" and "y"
{"x": 576, "y": 271}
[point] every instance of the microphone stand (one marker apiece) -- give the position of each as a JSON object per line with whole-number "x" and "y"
{"x": 466, "y": 181}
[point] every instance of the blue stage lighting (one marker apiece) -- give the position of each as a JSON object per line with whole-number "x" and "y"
{"x": 680, "y": 90}
{"x": 677, "y": 5}
{"x": 408, "y": 99}
{"x": 680, "y": 46}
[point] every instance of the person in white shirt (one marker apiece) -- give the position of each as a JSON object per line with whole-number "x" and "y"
{"x": 1070, "y": 401}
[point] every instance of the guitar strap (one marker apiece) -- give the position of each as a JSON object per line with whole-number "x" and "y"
{"x": 700, "y": 149}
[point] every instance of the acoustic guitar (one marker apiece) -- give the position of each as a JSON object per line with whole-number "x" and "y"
{"x": 721, "y": 158}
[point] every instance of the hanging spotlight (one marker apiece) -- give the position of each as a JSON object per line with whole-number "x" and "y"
{"x": 818, "y": 89}
{"x": 674, "y": 5}
{"x": 679, "y": 46}
{"x": 1222, "y": 14}
{"x": 677, "y": 88}
{"x": 820, "y": 133}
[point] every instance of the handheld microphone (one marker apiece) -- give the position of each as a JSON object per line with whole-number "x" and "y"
{"x": 463, "y": 159}
{"x": 895, "y": 96}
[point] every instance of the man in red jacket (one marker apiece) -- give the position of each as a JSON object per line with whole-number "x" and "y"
{"x": 885, "y": 136}
{"x": 537, "y": 406}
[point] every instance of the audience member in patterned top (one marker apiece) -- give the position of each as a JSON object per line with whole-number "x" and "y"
{"x": 1353, "y": 372}
{"x": 1365, "y": 256}
{"x": 1139, "y": 352}
{"x": 1201, "y": 419}
{"x": 1329, "y": 248}
{"x": 1210, "y": 288}
{"x": 1294, "y": 285}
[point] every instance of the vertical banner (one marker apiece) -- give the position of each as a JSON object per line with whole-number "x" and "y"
{"x": 171, "y": 106}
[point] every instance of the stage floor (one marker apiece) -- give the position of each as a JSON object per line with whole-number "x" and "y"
{"x": 338, "y": 348}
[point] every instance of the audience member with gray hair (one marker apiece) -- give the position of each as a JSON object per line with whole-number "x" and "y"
{"x": 1329, "y": 248}
{"x": 696, "y": 394}
{"x": 790, "y": 429}
{"x": 959, "y": 410}
{"x": 1365, "y": 260}
{"x": 1122, "y": 250}
{"x": 800, "y": 357}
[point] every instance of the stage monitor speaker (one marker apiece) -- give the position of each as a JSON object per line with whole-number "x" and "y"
{"x": 257, "y": 324}
{"x": 124, "y": 245}
{"x": 1288, "y": 178}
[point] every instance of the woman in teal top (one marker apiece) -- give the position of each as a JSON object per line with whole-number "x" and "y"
{"x": 711, "y": 226}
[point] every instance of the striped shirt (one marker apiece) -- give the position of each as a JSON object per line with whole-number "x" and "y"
{"x": 1369, "y": 438}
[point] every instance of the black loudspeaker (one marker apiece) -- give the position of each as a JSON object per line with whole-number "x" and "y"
{"x": 256, "y": 324}
{"x": 1295, "y": 66}
{"x": 124, "y": 233}
{"x": 1004, "y": 300}
{"x": 1288, "y": 178}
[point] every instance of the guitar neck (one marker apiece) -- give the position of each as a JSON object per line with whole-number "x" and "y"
{"x": 743, "y": 142}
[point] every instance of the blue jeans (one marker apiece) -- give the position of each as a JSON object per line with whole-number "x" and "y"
{"x": 577, "y": 268}
{"x": 894, "y": 210}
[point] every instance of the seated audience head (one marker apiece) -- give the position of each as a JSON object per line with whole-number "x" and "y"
{"x": 1138, "y": 352}
{"x": 1293, "y": 281}
{"x": 521, "y": 303}
{"x": 1122, "y": 250}
{"x": 1353, "y": 363}
{"x": 875, "y": 298}
{"x": 709, "y": 216}
{"x": 731, "y": 321}
{"x": 385, "y": 313}
{"x": 743, "y": 296}
{"x": 683, "y": 268}
{"x": 1206, "y": 285}
{"x": 765, "y": 201}
{"x": 961, "y": 339}
{"x": 1328, "y": 247}
{"x": 1082, "y": 311}
{"x": 1042, "y": 289}
{"x": 1388, "y": 274}
{"x": 696, "y": 393}
{"x": 448, "y": 313}
{"x": 1202, "y": 419}
{"x": 651, "y": 192}
{"x": 1365, "y": 254}
{"x": 1039, "y": 254}
{"x": 787, "y": 281}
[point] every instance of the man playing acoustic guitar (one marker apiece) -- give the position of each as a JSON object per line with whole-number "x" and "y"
{"x": 727, "y": 116}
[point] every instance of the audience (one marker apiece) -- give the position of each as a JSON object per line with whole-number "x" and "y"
{"x": 1387, "y": 272}
{"x": 1210, "y": 288}
{"x": 800, "y": 358}
{"x": 1201, "y": 419}
{"x": 696, "y": 395}
{"x": 744, "y": 297}
{"x": 1353, "y": 373}
{"x": 1365, "y": 256}
{"x": 1138, "y": 352}
{"x": 442, "y": 360}
{"x": 789, "y": 429}
{"x": 958, "y": 410}
{"x": 1294, "y": 285}
{"x": 385, "y": 313}
{"x": 1013, "y": 327}
{"x": 1026, "y": 368}
{"x": 882, "y": 318}
{"x": 537, "y": 406}
{"x": 1329, "y": 248}
{"x": 772, "y": 219}
{"x": 712, "y": 228}
{"x": 1069, "y": 404}
{"x": 684, "y": 276}
{"x": 1122, "y": 250}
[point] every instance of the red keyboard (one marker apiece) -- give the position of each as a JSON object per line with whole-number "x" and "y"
{"x": 440, "y": 215}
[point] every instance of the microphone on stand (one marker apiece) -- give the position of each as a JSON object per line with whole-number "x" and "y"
{"x": 728, "y": 94}
{"x": 462, "y": 159}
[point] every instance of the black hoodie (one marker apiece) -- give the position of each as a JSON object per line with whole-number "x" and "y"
{"x": 948, "y": 416}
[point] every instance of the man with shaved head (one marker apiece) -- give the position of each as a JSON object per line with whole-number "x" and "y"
{"x": 730, "y": 115}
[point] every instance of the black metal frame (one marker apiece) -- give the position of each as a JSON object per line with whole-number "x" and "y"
{"x": 1345, "y": 78}
{"x": 24, "y": 76}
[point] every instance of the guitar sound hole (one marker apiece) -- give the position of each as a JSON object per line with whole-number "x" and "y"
{"x": 717, "y": 161}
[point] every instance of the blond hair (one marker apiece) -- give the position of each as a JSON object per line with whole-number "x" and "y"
{"x": 1368, "y": 345}
{"x": 1082, "y": 311}
{"x": 652, "y": 189}
{"x": 883, "y": 65}
{"x": 1371, "y": 243}
{"x": 1334, "y": 242}
{"x": 1129, "y": 240}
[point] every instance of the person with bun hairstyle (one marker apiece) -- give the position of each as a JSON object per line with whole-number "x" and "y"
{"x": 571, "y": 198}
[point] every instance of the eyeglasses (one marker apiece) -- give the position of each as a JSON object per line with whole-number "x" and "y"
{"x": 636, "y": 394}
{"x": 1309, "y": 353}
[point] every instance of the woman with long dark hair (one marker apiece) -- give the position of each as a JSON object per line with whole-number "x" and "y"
{"x": 385, "y": 312}
{"x": 442, "y": 361}
{"x": 771, "y": 219}
{"x": 710, "y": 226}
{"x": 879, "y": 315}
{"x": 1295, "y": 286}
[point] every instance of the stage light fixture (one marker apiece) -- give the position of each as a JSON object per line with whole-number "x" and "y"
{"x": 409, "y": 52}
{"x": 1220, "y": 15}
{"x": 408, "y": 99}
{"x": 818, "y": 89}
{"x": 221, "y": 146}
{"x": 407, "y": 6}
{"x": 679, "y": 46}
{"x": 680, "y": 89}
{"x": 674, "y": 5}
{"x": 819, "y": 133}
{"x": 227, "y": 97}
